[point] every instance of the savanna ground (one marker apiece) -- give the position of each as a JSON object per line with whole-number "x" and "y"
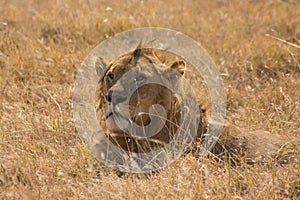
{"x": 42, "y": 44}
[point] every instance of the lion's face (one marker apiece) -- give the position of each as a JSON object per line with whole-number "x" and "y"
{"x": 128, "y": 94}
{"x": 131, "y": 73}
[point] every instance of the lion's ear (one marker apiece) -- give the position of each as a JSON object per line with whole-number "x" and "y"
{"x": 175, "y": 71}
{"x": 137, "y": 52}
{"x": 100, "y": 66}
{"x": 179, "y": 66}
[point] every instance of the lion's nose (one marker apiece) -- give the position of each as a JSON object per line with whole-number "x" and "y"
{"x": 115, "y": 97}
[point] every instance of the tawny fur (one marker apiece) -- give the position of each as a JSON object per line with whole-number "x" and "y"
{"x": 239, "y": 144}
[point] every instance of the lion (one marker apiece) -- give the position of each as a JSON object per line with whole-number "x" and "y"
{"x": 112, "y": 94}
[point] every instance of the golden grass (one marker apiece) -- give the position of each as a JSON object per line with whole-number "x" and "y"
{"x": 42, "y": 44}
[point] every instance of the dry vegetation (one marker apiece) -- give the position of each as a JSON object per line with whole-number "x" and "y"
{"x": 42, "y": 44}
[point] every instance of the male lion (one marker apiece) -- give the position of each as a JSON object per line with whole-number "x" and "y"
{"x": 112, "y": 94}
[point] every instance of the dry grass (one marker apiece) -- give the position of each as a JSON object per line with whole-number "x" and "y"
{"x": 42, "y": 44}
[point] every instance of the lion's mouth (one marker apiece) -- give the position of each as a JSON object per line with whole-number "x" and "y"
{"x": 115, "y": 115}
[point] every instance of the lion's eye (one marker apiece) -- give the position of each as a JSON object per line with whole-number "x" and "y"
{"x": 139, "y": 79}
{"x": 110, "y": 77}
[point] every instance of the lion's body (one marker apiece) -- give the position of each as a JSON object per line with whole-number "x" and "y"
{"x": 112, "y": 92}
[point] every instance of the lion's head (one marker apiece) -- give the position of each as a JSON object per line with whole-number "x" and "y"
{"x": 128, "y": 91}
